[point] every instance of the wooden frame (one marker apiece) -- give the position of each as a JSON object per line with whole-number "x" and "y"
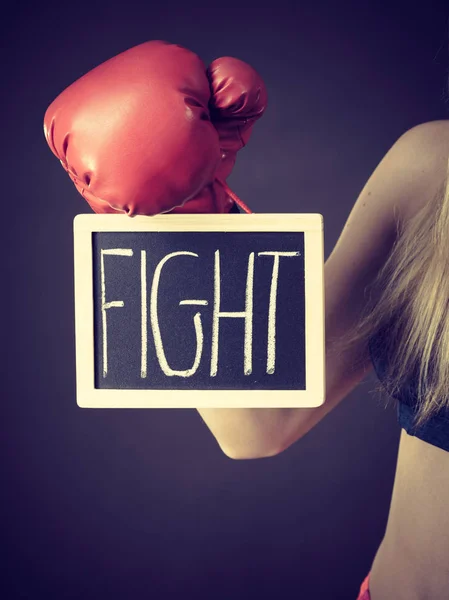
{"x": 90, "y": 397}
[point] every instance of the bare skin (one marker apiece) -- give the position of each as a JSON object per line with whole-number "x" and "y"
{"x": 412, "y": 562}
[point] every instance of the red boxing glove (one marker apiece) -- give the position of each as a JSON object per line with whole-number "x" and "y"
{"x": 151, "y": 131}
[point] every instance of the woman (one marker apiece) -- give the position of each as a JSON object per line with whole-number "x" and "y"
{"x": 173, "y": 148}
{"x": 395, "y": 245}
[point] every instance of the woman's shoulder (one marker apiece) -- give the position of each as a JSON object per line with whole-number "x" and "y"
{"x": 423, "y": 154}
{"x": 436, "y": 128}
{"x": 429, "y": 140}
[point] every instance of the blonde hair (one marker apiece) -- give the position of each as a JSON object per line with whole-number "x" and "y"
{"x": 411, "y": 303}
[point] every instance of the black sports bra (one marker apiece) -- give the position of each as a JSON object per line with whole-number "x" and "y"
{"x": 436, "y": 430}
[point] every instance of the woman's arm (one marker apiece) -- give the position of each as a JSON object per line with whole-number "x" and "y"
{"x": 399, "y": 184}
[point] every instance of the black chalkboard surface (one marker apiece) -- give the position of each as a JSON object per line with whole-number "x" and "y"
{"x": 199, "y": 310}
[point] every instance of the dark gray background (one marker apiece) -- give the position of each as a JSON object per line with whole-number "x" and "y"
{"x": 135, "y": 504}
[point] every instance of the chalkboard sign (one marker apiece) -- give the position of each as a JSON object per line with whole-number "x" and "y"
{"x": 198, "y": 311}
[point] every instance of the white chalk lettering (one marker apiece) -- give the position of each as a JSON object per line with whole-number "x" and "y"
{"x": 143, "y": 313}
{"x": 151, "y": 313}
{"x": 107, "y": 305}
{"x": 246, "y": 314}
{"x": 271, "y": 338}
{"x": 167, "y": 370}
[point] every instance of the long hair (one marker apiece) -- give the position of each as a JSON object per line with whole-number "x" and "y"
{"x": 411, "y": 304}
